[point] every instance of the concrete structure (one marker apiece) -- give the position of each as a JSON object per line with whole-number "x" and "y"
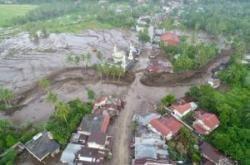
{"x": 124, "y": 58}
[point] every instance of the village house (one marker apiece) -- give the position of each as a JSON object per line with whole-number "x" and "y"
{"x": 99, "y": 140}
{"x": 213, "y": 156}
{"x": 167, "y": 127}
{"x": 94, "y": 123}
{"x": 42, "y": 145}
{"x": 181, "y": 109}
{"x": 91, "y": 145}
{"x": 149, "y": 147}
{"x": 170, "y": 39}
{"x": 205, "y": 122}
{"x": 90, "y": 156}
{"x": 90, "y": 138}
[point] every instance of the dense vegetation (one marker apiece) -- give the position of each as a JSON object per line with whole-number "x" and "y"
{"x": 10, "y": 12}
{"x": 184, "y": 147}
{"x": 61, "y": 16}
{"x": 232, "y": 107}
{"x": 188, "y": 56}
{"x": 66, "y": 119}
{"x": 226, "y": 17}
{"x": 10, "y": 135}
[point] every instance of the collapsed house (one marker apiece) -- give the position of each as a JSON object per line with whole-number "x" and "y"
{"x": 91, "y": 145}
{"x": 109, "y": 104}
{"x": 157, "y": 66}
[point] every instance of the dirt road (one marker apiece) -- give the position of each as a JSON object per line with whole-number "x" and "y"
{"x": 139, "y": 98}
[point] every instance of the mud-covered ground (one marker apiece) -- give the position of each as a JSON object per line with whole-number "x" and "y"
{"x": 22, "y": 62}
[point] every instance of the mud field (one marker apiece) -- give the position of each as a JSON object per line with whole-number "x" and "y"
{"x": 23, "y": 63}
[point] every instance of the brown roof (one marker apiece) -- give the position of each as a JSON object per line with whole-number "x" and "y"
{"x": 211, "y": 153}
{"x": 105, "y": 123}
{"x": 170, "y": 39}
{"x": 166, "y": 125}
{"x": 199, "y": 129}
{"x": 97, "y": 137}
{"x": 209, "y": 119}
{"x": 173, "y": 124}
{"x": 159, "y": 126}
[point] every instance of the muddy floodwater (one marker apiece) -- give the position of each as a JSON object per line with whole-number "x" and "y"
{"x": 22, "y": 62}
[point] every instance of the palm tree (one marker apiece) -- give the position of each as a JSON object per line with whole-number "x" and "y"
{"x": 62, "y": 111}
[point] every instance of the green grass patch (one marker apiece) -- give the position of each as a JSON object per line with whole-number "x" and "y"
{"x": 10, "y": 12}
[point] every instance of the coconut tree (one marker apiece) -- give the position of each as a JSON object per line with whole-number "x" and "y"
{"x": 62, "y": 111}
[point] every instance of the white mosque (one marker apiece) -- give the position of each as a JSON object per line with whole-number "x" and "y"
{"x": 125, "y": 58}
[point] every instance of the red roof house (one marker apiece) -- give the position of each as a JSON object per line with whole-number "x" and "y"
{"x": 170, "y": 39}
{"x": 205, "y": 123}
{"x": 105, "y": 123}
{"x": 166, "y": 127}
{"x": 181, "y": 110}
